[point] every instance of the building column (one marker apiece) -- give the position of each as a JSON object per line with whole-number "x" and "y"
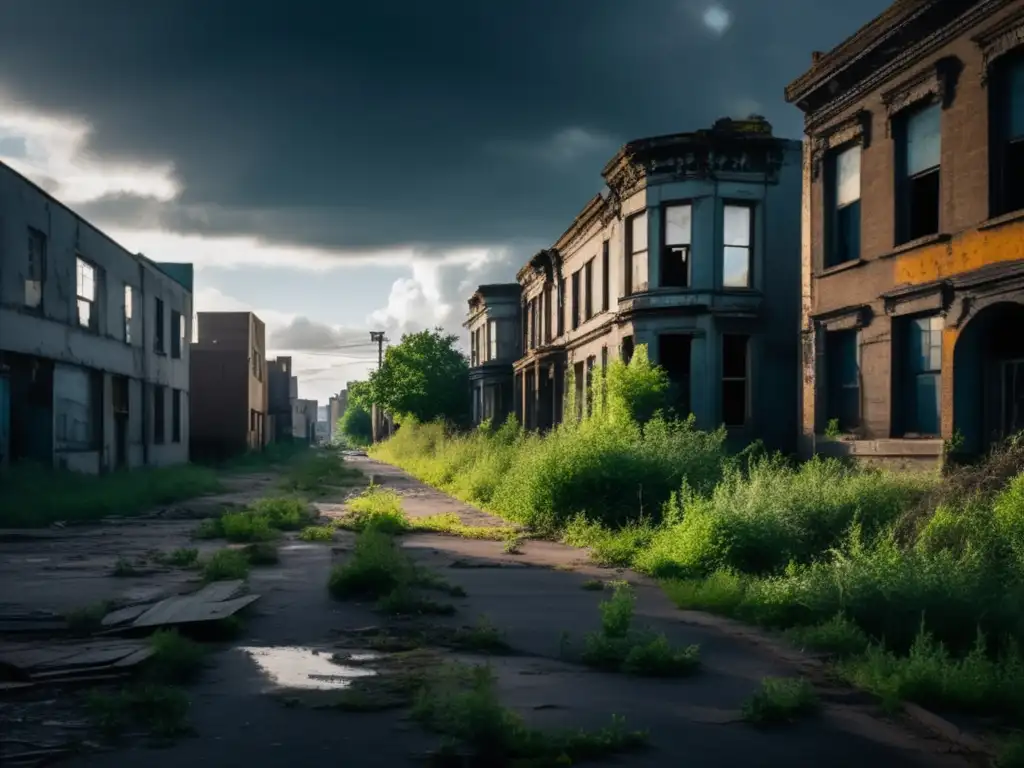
{"x": 702, "y": 400}
{"x": 653, "y": 245}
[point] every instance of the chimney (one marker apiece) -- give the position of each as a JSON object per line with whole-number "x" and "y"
{"x": 816, "y": 56}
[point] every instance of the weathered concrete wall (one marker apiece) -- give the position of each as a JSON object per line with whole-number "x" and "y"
{"x": 121, "y": 340}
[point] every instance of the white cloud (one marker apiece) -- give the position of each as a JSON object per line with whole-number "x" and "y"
{"x": 51, "y": 152}
{"x": 717, "y": 18}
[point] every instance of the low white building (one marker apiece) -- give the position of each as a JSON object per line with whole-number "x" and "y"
{"x": 94, "y": 342}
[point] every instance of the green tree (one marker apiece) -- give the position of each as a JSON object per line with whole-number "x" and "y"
{"x": 356, "y": 423}
{"x": 636, "y": 392}
{"x": 424, "y": 376}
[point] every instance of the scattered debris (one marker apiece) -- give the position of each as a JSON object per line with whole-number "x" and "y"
{"x": 213, "y": 602}
{"x": 15, "y": 620}
{"x": 29, "y": 664}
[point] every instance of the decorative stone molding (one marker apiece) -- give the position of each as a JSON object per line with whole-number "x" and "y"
{"x": 998, "y": 40}
{"x": 912, "y": 300}
{"x": 846, "y": 319}
{"x": 857, "y": 127}
{"x": 938, "y": 81}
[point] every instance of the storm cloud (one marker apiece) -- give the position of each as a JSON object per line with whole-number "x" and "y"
{"x": 396, "y": 124}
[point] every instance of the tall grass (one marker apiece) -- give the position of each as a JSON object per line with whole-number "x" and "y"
{"x": 899, "y": 574}
{"x": 33, "y": 496}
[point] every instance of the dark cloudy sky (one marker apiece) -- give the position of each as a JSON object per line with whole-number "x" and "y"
{"x": 339, "y": 165}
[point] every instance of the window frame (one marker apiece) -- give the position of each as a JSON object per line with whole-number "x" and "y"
{"x": 35, "y": 270}
{"x": 176, "y": 334}
{"x": 837, "y": 390}
{"x": 1000, "y": 141}
{"x": 630, "y": 254}
{"x": 904, "y": 182}
{"x": 908, "y": 425}
{"x": 159, "y": 415}
{"x": 747, "y": 338}
{"x": 82, "y": 264}
{"x": 588, "y": 290}
{"x": 751, "y": 208}
{"x": 492, "y": 339}
{"x": 129, "y": 312}
{"x": 606, "y": 277}
{"x": 576, "y": 299}
{"x": 830, "y": 257}
{"x": 669, "y": 250}
{"x": 159, "y": 333}
{"x": 175, "y": 415}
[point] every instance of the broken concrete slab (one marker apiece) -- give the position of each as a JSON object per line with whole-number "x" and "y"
{"x": 213, "y": 602}
{"x": 59, "y": 662}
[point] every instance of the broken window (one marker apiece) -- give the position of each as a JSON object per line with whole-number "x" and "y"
{"x": 176, "y": 416}
{"x": 627, "y": 349}
{"x": 636, "y": 253}
{"x": 176, "y": 337}
{"x": 919, "y": 182}
{"x": 842, "y": 379}
{"x": 737, "y": 232}
{"x": 159, "y": 415}
{"x": 129, "y": 308}
{"x": 606, "y": 277}
{"x": 159, "y": 336}
{"x": 922, "y": 379}
{"x": 588, "y": 290}
{"x": 842, "y": 223}
{"x": 35, "y": 269}
{"x": 734, "y": 379}
{"x": 675, "y": 253}
{"x": 674, "y": 357}
{"x": 1007, "y": 155}
{"x": 575, "y": 300}
{"x": 85, "y": 281}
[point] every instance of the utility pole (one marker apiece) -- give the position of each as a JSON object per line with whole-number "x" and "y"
{"x": 377, "y": 416}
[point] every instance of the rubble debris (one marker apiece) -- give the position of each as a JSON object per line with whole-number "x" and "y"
{"x": 15, "y": 620}
{"x": 213, "y": 602}
{"x": 29, "y": 664}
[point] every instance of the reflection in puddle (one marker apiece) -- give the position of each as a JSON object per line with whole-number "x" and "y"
{"x": 293, "y": 667}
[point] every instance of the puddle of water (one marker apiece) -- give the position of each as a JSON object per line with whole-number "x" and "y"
{"x": 295, "y": 667}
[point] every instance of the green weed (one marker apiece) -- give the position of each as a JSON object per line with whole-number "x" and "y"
{"x": 317, "y": 533}
{"x": 377, "y": 566}
{"x": 262, "y": 553}
{"x": 161, "y": 709}
{"x": 226, "y": 565}
{"x": 780, "y": 700}
{"x": 176, "y": 659}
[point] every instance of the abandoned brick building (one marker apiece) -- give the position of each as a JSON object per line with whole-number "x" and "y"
{"x": 693, "y": 250}
{"x": 913, "y": 247}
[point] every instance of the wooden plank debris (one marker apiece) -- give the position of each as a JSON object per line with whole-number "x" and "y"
{"x": 72, "y": 661}
{"x": 213, "y": 602}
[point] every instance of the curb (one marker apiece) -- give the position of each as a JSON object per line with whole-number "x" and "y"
{"x": 815, "y": 667}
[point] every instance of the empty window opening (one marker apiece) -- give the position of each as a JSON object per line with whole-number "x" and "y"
{"x": 735, "y": 368}
{"x": 35, "y": 271}
{"x": 842, "y": 361}
{"x": 675, "y": 253}
{"x": 674, "y": 357}
{"x": 918, "y": 195}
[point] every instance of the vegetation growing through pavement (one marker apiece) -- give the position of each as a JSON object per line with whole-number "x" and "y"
{"x": 618, "y": 647}
{"x": 34, "y": 496}
{"x": 161, "y": 709}
{"x": 379, "y": 569}
{"x": 261, "y": 521}
{"x": 895, "y": 573}
{"x": 317, "y": 533}
{"x": 226, "y": 565}
{"x": 461, "y": 703}
{"x": 780, "y": 700}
